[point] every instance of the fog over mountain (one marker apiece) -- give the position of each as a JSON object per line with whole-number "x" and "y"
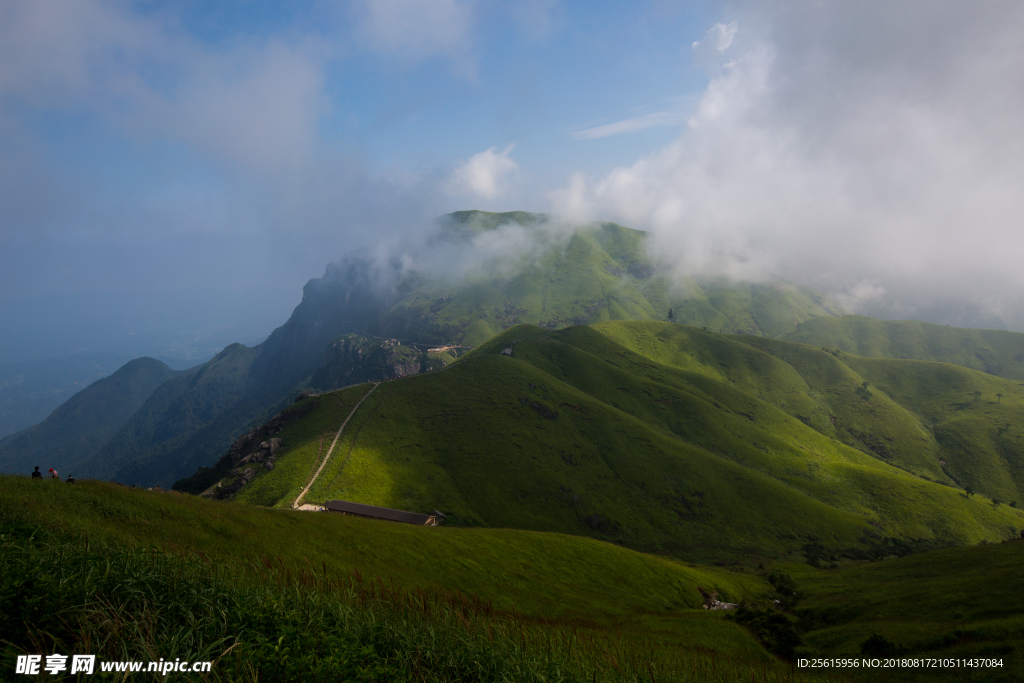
{"x": 871, "y": 149}
{"x": 180, "y": 171}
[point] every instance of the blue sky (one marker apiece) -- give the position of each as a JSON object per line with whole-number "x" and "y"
{"x": 180, "y": 169}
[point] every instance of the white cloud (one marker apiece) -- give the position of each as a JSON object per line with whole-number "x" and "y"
{"x": 718, "y": 38}
{"x": 259, "y": 108}
{"x": 255, "y": 104}
{"x": 632, "y": 125}
{"x": 485, "y": 174}
{"x": 417, "y": 28}
{"x": 52, "y": 51}
{"x": 859, "y": 295}
{"x": 708, "y": 53}
{"x": 178, "y": 153}
{"x": 842, "y": 144}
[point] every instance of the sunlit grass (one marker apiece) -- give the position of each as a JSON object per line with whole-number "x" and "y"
{"x": 130, "y": 574}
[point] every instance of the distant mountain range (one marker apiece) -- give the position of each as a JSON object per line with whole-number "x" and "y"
{"x": 83, "y": 424}
{"x": 448, "y": 296}
{"x": 30, "y": 390}
{"x": 665, "y": 438}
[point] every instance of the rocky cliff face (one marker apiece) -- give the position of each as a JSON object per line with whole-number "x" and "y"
{"x": 237, "y": 467}
{"x": 351, "y": 296}
{"x": 352, "y": 359}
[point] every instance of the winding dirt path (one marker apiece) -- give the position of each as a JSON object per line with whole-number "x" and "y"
{"x": 297, "y": 505}
{"x": 298, "y": 501}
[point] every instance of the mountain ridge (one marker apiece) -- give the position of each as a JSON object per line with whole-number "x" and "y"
{"x": 562, "y": 277}
{"x": 996, "y": 352}
{"x": 587, "y": 274}
{"x": 579, "y": 433}
{"x": 80, "y": 426}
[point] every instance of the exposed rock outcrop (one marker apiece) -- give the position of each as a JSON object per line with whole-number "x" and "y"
{"x": 353, "y": 359}
{"x": 711, "y": 601}
{"x": 238, "y": 466}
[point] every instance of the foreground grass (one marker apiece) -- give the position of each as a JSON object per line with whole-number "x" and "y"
{"x": 267, "y": 623}
{"x": 281, "y": 595}
{"x": 542, "y": 575}
{"x": 307, "y": 575}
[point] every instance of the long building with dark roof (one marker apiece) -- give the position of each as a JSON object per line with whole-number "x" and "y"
{"x": 374, "y": 512}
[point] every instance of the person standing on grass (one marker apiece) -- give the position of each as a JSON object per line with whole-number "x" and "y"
{"x": 36, "y": 474}
{"x": 71, "y": 479}
{"x": 54, "y": 475}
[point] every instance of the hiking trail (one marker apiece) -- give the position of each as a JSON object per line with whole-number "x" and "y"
{"x": 298, "y": 501}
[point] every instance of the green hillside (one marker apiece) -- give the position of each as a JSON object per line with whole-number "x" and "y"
{"x": 636, "y": 604}
{"x": 956, "y": 603}
{"x": 85, "y": 422}
{"x": 975, "y": 419}
{"x": 702, "y": 447}
{"x": 925, "y": 418}
{"x": 562, "y": 277}
{"x": 996, "y": 352}
{"x": 285, "y": 569}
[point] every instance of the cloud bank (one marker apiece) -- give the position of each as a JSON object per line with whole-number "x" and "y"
{"x": 485, "y": 175}
{"x": 139, "y": 157}
{"x": 862, "y": 148}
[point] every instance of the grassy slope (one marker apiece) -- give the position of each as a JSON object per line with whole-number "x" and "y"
{"x": 546, "y": 577}
{"x": 975, "y": 417}
{"x": 995, "y": 352}
{"x": 304, "y": 445}
{"x": 764, "y": 309}
{"x": 654, "y": 457}
{"x": 86, "y": 421}
{"x": 925, "y": 417}
{"x": 922, "y": 417}
{"x": 959, "y": 602}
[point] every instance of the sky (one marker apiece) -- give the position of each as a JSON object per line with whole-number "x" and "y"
{"x": 172, "y": 173}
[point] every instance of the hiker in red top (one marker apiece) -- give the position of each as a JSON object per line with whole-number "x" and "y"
{"x": 54, "y": 475}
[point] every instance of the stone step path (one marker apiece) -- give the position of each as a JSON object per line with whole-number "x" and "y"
{"x": 298, "y": 501}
